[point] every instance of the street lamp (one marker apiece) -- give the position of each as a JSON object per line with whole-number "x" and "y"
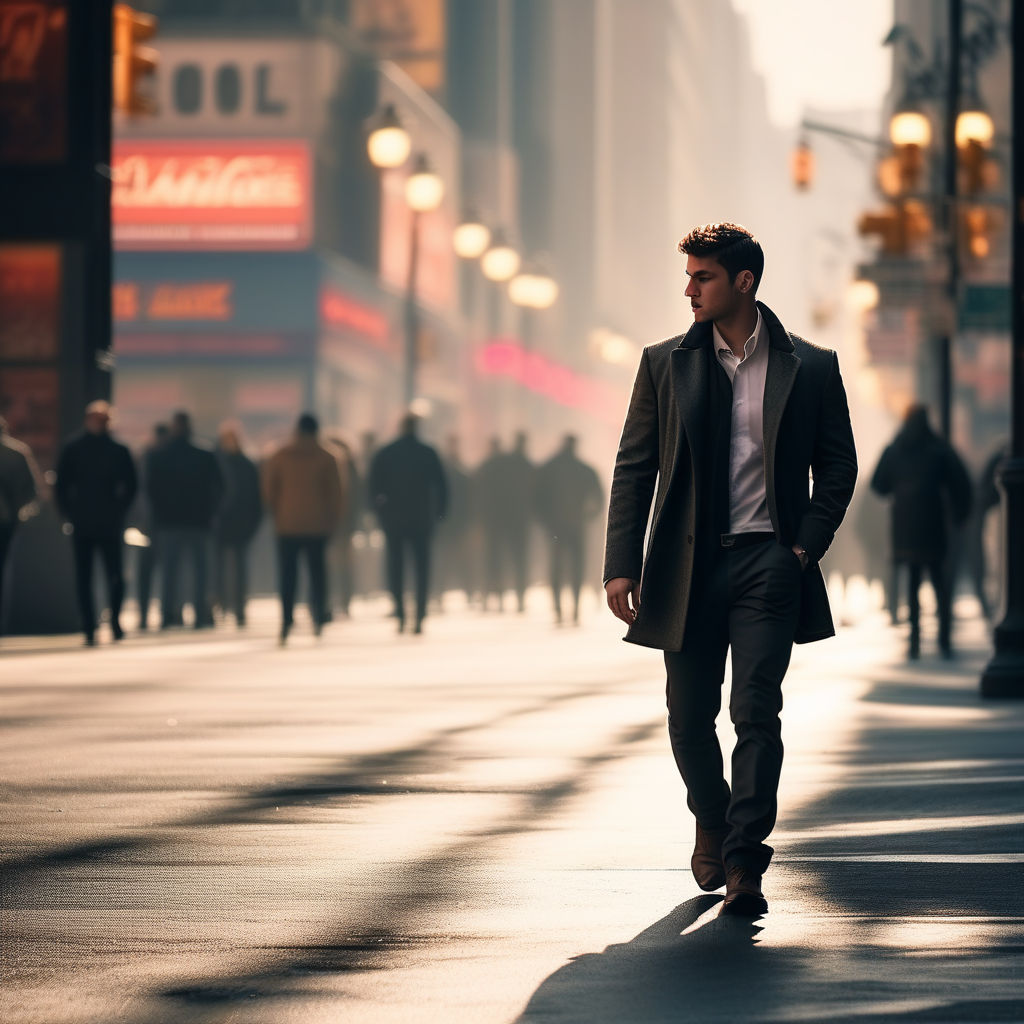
{"x": 1004, "y": 674}
{"x": 388, "y": 142}
{"x": 500, "y": 262}
{"x": 533, "y": 289}
{"x": 388, "y": 145}
{"x": 471, "y": 238}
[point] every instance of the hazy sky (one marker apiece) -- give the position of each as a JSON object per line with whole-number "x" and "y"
{"x": 820, "y": 53}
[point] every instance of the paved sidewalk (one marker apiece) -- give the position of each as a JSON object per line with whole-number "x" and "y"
{"x": 484, "y": 824}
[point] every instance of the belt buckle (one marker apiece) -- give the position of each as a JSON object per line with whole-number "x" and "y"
{"x": 728, "y": 540}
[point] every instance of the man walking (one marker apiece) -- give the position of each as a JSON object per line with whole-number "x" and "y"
{"x": 303, "y": 489}
{"x": 409, "y": 493}
{"x": 930, "y": 490}
{"x": 95, "y": 487}
{"x": 724, "y": 426}
{"x": 568, "y": 497}
{"x": 185, "y": 488}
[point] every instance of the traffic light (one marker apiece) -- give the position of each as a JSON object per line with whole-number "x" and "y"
{"x": 898, "y": 226}
{"x": 132, "y": 61}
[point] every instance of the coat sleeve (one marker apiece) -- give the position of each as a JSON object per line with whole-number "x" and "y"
{"x": 636, "y": 470}
{"x": 959, "y": 483}
{"x": 881, "y": 481}
{"x": 834, "y": 468}
{"x": 128, "y": 484}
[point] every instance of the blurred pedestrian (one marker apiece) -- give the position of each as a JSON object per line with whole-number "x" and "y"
{"x": 147, "y": 558}
{"x": 20, "y": 487}
{"x": 725, "y": 426}
{"x": 930, "y": 492}
{"x": 238, "y": 519}
{"x": 96, "y": 485}
{"x": 454, "y": 567}
{"x": 409, "y": 493}
{"x": 185, "y": 488}
{"x": 304, "y": 491}
{"x": 504, "y": 484}
{"x": 568, "y": 498}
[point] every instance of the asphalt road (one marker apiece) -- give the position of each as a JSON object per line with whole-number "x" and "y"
{"x": 485, "y": 824}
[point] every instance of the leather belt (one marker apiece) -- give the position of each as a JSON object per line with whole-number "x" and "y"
{"x": 745, "y": 540}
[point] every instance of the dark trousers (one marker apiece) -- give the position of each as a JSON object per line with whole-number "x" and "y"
{"x": 417, "y": 543}
{"x": 109, "y": 547}
{"x": 177, "y": 544}
{"x": 567, "y": 550}
{"x": 314, "y": 550}
{"x": 939, "y": 576}
{"x": 232, "y": 567}
{"x": 749, "y": 602}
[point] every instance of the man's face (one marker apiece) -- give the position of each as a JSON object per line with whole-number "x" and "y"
{"x": 712, "y": 295}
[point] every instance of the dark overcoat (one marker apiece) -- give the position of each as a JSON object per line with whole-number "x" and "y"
{"x": 96, "y": 484}
{"x": 930, "y": 488}
{"x": 806, "y": 430}
{"x": 407, "y": 487}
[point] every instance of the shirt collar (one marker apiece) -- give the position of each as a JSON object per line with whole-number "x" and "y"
{"x": 749, "y": 346}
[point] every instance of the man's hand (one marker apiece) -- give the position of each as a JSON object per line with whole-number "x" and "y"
{"x": 623, "y": 598}
{"x": 802, "y": 555}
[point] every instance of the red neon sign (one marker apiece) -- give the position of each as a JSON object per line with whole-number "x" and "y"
{"x": 211, "y": 195}
{"x": 544, "y": 376}
{"x": 338, "y": 310}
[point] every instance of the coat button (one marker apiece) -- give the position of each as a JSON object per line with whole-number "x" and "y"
{"x": 689, "y": 539}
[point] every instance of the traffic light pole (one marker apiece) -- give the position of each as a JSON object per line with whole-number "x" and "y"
{"x": 950, "y": 220}
{"x": 1004, "y": 674}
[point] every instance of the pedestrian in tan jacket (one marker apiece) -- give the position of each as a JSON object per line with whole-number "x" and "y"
{"x": 306, "y": 495}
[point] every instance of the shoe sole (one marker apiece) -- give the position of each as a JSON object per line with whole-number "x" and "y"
{"x": 745, "y": 905}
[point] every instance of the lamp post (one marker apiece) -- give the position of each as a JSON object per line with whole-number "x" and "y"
{"x": 1004, "y": 674}
{"x": 388, "y": 145}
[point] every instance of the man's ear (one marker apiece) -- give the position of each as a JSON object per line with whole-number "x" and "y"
{"x": 745, "y": 281}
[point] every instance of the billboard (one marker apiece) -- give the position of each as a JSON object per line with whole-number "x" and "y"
{"x": 200, "y": 194}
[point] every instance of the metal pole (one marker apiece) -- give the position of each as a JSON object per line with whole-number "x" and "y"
{"x": 412, "y": 324}
{"x": 951, "y": 219}
{"x": 1004, "y": 674}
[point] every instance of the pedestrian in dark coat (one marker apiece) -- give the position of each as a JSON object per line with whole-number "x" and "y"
{"x": 237, "y": 521}
{"x": 409, "y": 493}
{"x": 504, "y": 486}
{"x": 568, "y": 498}
{"x": 724, "y": 427}
{"x": 95, "y": 487}
{"x": 185, "y": 489}
{"x": 20, "y": 486}
{"x": 305, "y": 493}
{"x": 931, "y": 491}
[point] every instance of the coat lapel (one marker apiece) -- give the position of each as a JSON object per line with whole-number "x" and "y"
{"x": 690, "y": 386}
{"x": 783, "y": 364}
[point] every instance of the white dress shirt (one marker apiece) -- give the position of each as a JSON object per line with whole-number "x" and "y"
{"x": 748, "y": 503}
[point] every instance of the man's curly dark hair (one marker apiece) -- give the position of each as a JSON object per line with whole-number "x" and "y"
{"x": 732, "y": 245}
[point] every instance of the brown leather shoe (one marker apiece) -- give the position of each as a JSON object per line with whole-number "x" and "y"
{"x": 706, "y": 862}
{"x": 743, "y": 895}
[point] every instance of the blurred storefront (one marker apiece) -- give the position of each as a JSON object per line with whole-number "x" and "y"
{"x": 260, "y": 262}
